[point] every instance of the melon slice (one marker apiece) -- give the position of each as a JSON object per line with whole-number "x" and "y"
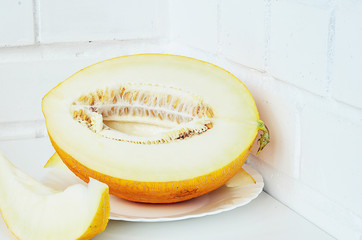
{"x": 55, "y": 162}
{"x": 240, "y": 179}
{"x": 32, "y": 210}
{"x": 155, "y": 128}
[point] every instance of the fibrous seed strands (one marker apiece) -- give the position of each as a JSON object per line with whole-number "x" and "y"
{"x": 182, "y": 113}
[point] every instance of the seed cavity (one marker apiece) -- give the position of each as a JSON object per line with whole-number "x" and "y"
{"x": 112, "y": 113}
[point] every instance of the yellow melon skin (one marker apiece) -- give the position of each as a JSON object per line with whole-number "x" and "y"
{"x": 100, "y": 220}
{"x": 157, "y": 192}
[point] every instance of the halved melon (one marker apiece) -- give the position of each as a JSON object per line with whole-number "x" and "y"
{"x": 155, "y": 128}
{"x": 34, "y": 211}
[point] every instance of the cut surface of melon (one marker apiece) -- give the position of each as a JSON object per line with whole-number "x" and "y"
{"x": 240, "y": 179}
{"x": 154, "y": 127}
{"x": 32, "y": 210}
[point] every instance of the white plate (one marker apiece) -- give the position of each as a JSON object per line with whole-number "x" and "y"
{"x": 221, "y": 200}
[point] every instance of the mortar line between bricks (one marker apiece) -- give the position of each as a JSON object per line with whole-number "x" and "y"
{"x": 298, "y": 144}
{"x": 218, "y": 26}
{"x": 36, "y": 20}
{"x": 330, "y": 50}
{"x": 267, "y": 25}
{"x": 46, "y": 51}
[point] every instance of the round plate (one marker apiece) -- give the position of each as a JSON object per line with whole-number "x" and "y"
{"x": 222, "y": 199}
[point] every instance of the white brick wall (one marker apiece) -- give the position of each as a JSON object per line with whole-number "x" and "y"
{"x": 299, "y": 44}
{"x": 299, "y": 58}
{"x": 16, "y": 23}
{"x": 67, "y": 21}
{"x": 197, "y": 25}
{"x": 242, "y": 31}
{"x": 331, "y": 163}
{"x": 33, "y": 80}
{"x": 347, "y": 79}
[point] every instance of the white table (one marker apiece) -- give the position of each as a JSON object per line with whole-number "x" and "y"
{"x": 263, "y": 218}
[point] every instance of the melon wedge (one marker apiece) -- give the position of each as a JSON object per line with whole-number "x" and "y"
{"x": 240, "y": 179}
{"x": 33, "y": 211}
{"x": 55, "y": 162}
{"x": 155, "y": 128}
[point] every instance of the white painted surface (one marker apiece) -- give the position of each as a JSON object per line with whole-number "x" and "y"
{"x": 16, "y": 23}
{"x": 299, "y": 44}
{"x": 25, "y": 83}
{"x": 347, "y": 80}
{"x": 330, "y": 163}
{"x": 195, "y": 23}
{"x": 63, "y": 21}
{"x": 323, "y": 211}
{"x": 243, "y": 32}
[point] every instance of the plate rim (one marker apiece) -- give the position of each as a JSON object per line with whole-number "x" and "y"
{"x": 254, "y": 173}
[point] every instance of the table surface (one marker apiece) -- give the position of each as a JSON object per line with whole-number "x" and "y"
{"x": 263, "y": 218}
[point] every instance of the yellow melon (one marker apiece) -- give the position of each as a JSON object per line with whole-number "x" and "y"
{"x": 155, "y": 128}
{"x": 33, "y": 211}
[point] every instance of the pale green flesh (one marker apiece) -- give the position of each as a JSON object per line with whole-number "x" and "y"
{"x": 138, "y": 129}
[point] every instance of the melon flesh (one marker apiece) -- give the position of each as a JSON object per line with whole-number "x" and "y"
{"x": 33, "y": 211}
{"x": 155, "y": 128}
{"x": 240, "y": 179}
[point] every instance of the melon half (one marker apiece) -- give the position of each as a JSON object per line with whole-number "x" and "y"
{"x": 155, "y": 128}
